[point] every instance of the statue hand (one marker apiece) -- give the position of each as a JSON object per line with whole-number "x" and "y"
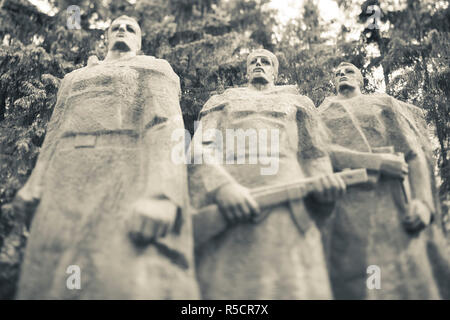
{"x": 236, "y": 203}
{"x": 151, "y": 219}
{"x": 329, "y": 188}
{"x": 418, "y": 217}
{"x": 393, "y": 166}
{"x": 25, "y": 203}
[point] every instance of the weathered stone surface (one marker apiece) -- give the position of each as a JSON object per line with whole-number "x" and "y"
{"x": 271, "y": 259}
{"x": 109, "y": 145}
{"x": 368, "y": 225}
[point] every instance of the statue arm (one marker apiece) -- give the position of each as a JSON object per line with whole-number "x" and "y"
{"x": 314, "y": 159}
{"x": 32, "y": 190}
{"x": 412, "y": 146}
{"x": 314, "y": 138}
{"x": 159, "y": 209}
{"x": 206, "y": 149}
{"x": 164, "y": 177}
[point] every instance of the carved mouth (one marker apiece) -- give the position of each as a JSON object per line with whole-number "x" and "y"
{"x": 343, "y": 79}
{"x": 258, "y": 69}
{"x": 121, "y": 46}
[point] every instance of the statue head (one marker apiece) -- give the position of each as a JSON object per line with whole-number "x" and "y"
{"x": 124, "y": 34}
{"x": 348, "y": 76}
{"x": 262, "y": 66}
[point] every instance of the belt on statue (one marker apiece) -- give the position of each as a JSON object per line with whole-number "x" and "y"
{"x": 122, "y": 139}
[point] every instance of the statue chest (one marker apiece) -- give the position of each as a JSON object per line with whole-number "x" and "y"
{"x": 272, "y": 118}
{"x": 370, "y": 119}
{"x": 356, "y": 124}
{"x": 264, "y": 112}
{"x": 116, "y": 97}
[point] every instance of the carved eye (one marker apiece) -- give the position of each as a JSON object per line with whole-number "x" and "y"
{"x": 130, "y": 29}
{"x": 253, "y": 61}
{"x": 349, "y": 71}
{"x": 115, "y": 28}
{"x": 265, "y": 61}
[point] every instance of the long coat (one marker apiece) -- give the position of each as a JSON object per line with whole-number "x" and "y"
{"x": 366, "y": 229}
{"x": 109, "y": 144}
{"x": 272, "y": 259}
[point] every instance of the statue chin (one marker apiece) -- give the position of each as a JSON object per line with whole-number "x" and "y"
{"x": 346, "y": 87}
{"x": 259, "y": 80}
{"x": 121, "y": 46}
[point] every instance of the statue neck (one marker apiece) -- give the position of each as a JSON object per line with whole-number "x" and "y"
{"x": 116, "y": 55}
{"x": 259, "y": 86}
{"x": 348, "y": 92}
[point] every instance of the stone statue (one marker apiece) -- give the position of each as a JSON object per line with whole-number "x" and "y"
{"x": 112, "y": 203}
{"x": 377, "y": 227}
{"x": 273, "y": 254}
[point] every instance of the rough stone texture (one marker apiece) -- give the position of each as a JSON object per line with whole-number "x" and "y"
{"x": 271, "y": 259}
{"x": 366, "y": 228}
{"x": 109, "y": 144}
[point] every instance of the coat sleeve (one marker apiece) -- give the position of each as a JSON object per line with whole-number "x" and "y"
{"x": 408, "y": 138}
{"x": 206, "y": 151}
{"x": 313, "y": 155}
{"x": 313, "y": 140}
{"x": 35, "y": 183}
{"x": 162, "y": 132}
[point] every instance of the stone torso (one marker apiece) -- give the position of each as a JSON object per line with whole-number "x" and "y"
{"x": 369, "y": 121}
{"x": 108, "y": 96}
{"x": 271, "y": 118}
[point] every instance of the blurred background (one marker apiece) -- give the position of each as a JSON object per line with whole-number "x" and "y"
{"x": 402, "y": 47}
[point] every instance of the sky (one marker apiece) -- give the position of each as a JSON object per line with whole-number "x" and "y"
{"x": 287, "y": 8}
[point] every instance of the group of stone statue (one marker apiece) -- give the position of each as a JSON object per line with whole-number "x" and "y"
{"x": 354, "y": 187}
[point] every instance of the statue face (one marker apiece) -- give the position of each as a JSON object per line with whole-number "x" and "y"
{"x": 124, "y": 35}
{"x": 260, "y": 69}
{"x": 347, "y": 77}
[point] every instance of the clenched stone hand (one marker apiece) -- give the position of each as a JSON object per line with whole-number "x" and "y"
{"x": 151, "y": 219}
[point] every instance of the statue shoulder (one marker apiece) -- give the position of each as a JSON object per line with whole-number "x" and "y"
{"x": 216, "y": 102}
{"x": 230, "y": 92}
{"x": 381, "y": 98}
{"x": 288, "y": 89}
{"x": 410, "y": 108}
{"x": 305, "y": 102}
{"x": 151, "y": 60}
{"x": 151, "y": 63}
{"x": 71, "y": 75}
{"x": 327, "y": 103}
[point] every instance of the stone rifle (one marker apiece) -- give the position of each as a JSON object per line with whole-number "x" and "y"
{"x": 209, "y": 221}
{"x": 374, "y": 164}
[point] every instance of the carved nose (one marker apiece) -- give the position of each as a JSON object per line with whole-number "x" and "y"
{"x": 122, "y": 28}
